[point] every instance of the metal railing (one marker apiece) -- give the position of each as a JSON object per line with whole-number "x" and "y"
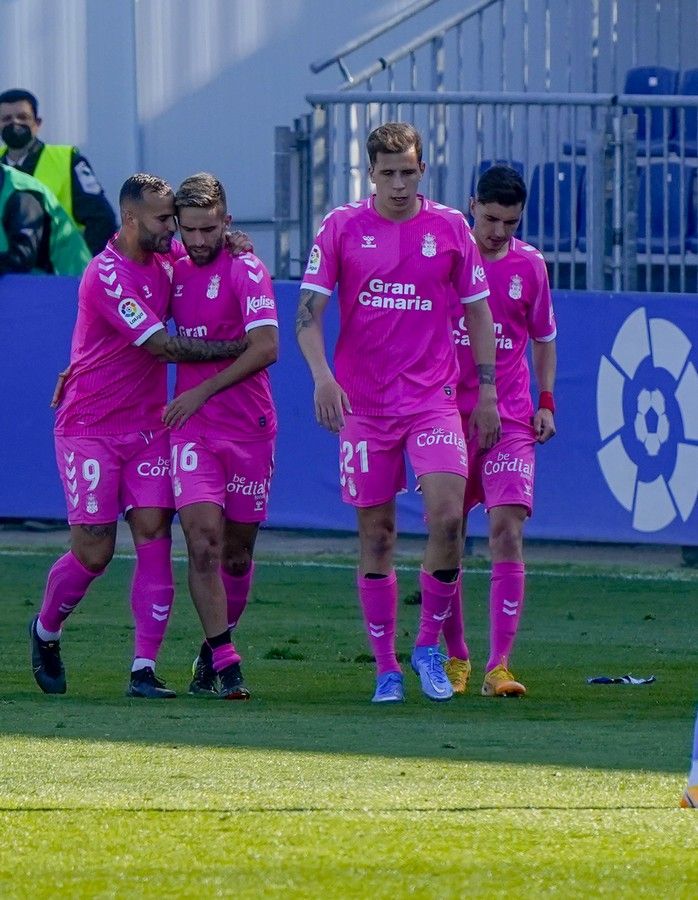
{"x": 339, "y": 56}
{"x": 605, "y": 210}
{"x": 521, "y": 45}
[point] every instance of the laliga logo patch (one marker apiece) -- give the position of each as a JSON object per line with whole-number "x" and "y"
{"x": 213, "y": 287}
{"x": 314, "y": 260}
{"x": 428, "y": 245}
{"x": 131, "y": 313}
{"x": 647, "y": 410}
{"x": 515, "y": 287}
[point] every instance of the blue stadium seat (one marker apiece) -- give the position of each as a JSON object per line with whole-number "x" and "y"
{"x": 554, "y": 191}
{"x": 652, "y": 80}
{"x": 670, "y": 184}
{"x": 685, "y": 140}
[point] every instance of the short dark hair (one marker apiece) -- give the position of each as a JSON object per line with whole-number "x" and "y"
{"x": 503, "y": 185}
{"x": 133, "y": 188}
{"x": 16, "y": 95}
{"x": 203, "y": 191}
{"x": 393, "y": 137}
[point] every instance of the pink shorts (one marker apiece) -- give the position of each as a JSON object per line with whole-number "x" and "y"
{"x": 234, "y": 474}
{"x": 372, "y": 453}
{"x": 108, "y": 475}
{"x": 503, "y": 475}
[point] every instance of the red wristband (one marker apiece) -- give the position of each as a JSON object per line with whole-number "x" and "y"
{"x": 546, "y": 401}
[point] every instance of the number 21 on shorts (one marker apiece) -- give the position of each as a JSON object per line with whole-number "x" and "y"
{"x": 349, "y": 453}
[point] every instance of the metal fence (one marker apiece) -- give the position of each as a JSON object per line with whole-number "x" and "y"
{"x": 609, "y": 209}
{"x": 519, "y": 45}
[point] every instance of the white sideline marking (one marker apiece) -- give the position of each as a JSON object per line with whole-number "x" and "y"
{"x": 351, "y": 567}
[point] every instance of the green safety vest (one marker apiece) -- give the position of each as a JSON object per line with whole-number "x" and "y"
{"x": 55, "y": 170}
{"x": 67, "y": 249}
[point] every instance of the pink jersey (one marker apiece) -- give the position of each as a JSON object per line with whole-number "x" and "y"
{"x": 116, "y": 387}
{"x": 223, "y": 301}
{"x": 394, "y": 354}
{"x": 521, "y": 309}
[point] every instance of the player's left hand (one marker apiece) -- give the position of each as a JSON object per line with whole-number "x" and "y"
{"x": 485, "y": 420}
{"x": 183, "y": 407}
{"x": 60, "y": 384}
{"x": 237, "y": 242}
{"x": 544, "y": 425}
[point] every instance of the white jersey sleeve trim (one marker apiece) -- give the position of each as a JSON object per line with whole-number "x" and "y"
{"x": 148, "y": 334}
{"x": 316, "y": 287}
{"x": 480, "y": 296}
{"x": 260, "y": 322}
{"x": 546, "y": 340}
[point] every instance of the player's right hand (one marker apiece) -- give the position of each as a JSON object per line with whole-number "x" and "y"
{"x": 60, "y": 384}
{"x": 237, "y": 242}
{"x": 331, "y": 402}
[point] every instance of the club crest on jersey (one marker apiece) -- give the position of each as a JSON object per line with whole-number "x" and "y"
{"x": 515, "y": 287}
{"x": 368, "y": 242}
{"x": 91, "y": 504}
{"x": 428, "y": 245}
{"x": 213, "y": 287}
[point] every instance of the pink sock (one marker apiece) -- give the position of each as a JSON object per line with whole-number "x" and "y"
{"x": 152, "y": 592}
{"x": 237, "y": 592}
{"x": 506, "y": 603}
{"x": 454, "y": 632}
{"x": 224, "y": 656}
{"x": 378, "y": 598}
{"x": 66, "y": 585}
{"x": 438, "y": 598}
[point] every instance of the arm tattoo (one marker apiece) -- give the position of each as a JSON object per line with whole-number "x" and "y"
{"x": 304, "y": 314}
{"x": 184, "y": 349}
{"x": 485, "y": 374}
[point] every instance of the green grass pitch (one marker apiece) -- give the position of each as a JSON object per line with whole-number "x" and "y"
{"x": 310, "y": 791}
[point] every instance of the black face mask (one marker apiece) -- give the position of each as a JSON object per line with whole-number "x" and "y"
{"x": 16, "y": 136}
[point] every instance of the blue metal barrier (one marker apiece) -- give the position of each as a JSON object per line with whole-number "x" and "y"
{"x": 623, "y": 466}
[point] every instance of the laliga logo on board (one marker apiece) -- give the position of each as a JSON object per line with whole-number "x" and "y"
{"x": 647, "y": 410}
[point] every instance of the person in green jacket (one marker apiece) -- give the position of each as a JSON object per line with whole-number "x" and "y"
{"x": 36, "y": 234}
{"x": 62, "y": 168}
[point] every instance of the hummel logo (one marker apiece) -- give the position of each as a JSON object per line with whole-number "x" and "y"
{"x": 160, "y": 613}
{"x": 510, "y": 607}
{"x": 376, "y": 631}
{"x": 368, "y": 242}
